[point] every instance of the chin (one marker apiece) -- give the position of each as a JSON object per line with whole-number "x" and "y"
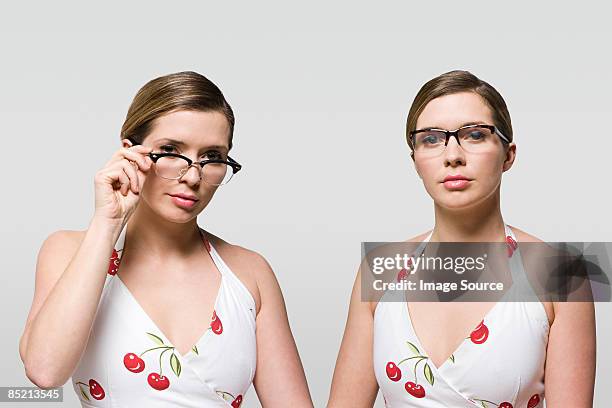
{"x": 456, "y": 203}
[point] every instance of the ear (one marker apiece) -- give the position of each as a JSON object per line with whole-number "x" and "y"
{"x": 126, "y": 143}
{"x": 510, "y": 156}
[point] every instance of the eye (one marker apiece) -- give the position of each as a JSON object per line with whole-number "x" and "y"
{"x": 476, "y": 135}
{"x": 209, "y": 155}
{"x": 212, "y": 155}
{"x": 430, "y": 138}
{"x": 167, "y": 148}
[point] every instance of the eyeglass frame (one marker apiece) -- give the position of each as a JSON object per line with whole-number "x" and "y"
{"x": 156, "y": 156}
{"x": 449, "y": 133}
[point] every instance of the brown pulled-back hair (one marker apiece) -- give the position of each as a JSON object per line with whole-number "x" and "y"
{"x": 455, "y": 82}
{"x": 185, "y": 90}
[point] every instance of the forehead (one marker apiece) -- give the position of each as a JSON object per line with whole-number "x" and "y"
{"x": 193, "y": 128}
{"x": 455, "y": 110}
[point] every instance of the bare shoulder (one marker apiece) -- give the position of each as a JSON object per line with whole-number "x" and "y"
{"x": 249, "y": 266}
{"x": 522, "y": 236}
{"x": 419, "y": 237}
{"x": 63, "y": 242}
{"x": 365, "y": 276}
{"x": 533, "y": 257}
{"x": 55, "y": 254}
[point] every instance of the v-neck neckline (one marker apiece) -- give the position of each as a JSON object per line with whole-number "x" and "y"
{"x": 487, "y": 315}
{"x": 206, "y": 243}
{"x": 156, "y": 327}
{"x": 422, "y": 349}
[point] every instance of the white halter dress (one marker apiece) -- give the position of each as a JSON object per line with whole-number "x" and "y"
{"x": 500, "y": 364}
{"x": 129, "y": 362}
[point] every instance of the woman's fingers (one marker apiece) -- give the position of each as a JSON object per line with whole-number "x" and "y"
{"x": 129, "y": 168}
{"x": 136, "y": 153}
{"x": 124, "y": 180}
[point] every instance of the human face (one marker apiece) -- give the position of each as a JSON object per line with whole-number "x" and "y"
{"x": 200, "y": 135}
{"x": 483, "y": 169}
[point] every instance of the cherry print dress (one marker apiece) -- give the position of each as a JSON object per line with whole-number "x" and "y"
{"x": 500, "y": 363}
{"x": 129, "y": 362}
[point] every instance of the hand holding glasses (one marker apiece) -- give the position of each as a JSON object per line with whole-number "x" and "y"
{"x": 173, "y": 166}
{"x": 119, "y": 182}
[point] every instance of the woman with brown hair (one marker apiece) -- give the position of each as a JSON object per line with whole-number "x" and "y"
{"x": 465, "y": 354}
{"x": 145, "y": 307}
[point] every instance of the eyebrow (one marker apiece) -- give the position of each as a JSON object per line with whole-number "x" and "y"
{"x": 181, "y": 143}
{"x": 464, "y": 124}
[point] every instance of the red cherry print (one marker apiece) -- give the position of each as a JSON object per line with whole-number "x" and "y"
{"x": 393, "y": 371}
{"x": 114, "y": 263}
{"x": 416, "y": 390}
{"x": 512, "y": 245}
{"x": 95, "y": 389}
{"x": 216, "y": 325}
{"x": 133, "y": 363}
{"x": 237, "y": 401}
{"x": 511, "y": 242}
{"x": 480, "y": 333}
{"x": 401, "y": 275}
{"x": 159, "y": 382}
{"x": 505, "y": 404}
{"x": 533, "y": 401}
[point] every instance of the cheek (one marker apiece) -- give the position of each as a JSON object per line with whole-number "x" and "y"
{"x": 488, "y": 169}
{"x": 154, "y": 189}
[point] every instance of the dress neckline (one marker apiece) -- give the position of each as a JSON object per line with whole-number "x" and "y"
{"x": 209, "y": 249}
{"x": 487, "y": 316}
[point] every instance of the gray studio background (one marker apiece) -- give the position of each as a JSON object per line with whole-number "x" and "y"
{"x": 321, "y": 92}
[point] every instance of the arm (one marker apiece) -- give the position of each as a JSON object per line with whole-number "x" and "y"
{"x": 570, "y": 358}
{"x": 279, "y": 378}
{"x": 69, "y": 282}
{"x": 354, "y": 384}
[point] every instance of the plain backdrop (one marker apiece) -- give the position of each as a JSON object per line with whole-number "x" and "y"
{"x": 321, "y": 93}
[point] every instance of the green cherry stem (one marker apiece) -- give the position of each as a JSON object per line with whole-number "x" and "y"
{"x": 490, "y": 402}
{"x": 160, "y": 358}
{"x": 415, "y": 367}
{"x": 410, "y": 358}
{"x": 227, "y": 393}
{"x": 155, "y": 348}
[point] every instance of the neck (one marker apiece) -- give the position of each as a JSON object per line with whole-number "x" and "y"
{"x": 149, "y": 234}
{"x": 481, "y": 222}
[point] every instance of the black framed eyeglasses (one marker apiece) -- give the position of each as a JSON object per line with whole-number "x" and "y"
{"x": 477, "y": 138}
{"x": 173, "y": 166}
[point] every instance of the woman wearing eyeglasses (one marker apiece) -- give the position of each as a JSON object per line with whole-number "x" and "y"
{"x": 146, "y": 308}
{"x": 465, "y": 354}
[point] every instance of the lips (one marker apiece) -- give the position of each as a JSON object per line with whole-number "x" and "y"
{"x": 185, "y": 196}
{"x": 455, "y": 177}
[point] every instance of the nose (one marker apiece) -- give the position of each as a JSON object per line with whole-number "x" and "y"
{"x": 453, "y": 153}
{"x": 193, "y": 175}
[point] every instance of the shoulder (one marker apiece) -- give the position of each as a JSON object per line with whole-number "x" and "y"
{"x": 249, "y": 266}
{"x": 62, "y": 242}
{"x": 535, "y": 265}
{"x": 364, "y": 274}
{"x": 522, "y": 236}
{"x": 419, "y": 238}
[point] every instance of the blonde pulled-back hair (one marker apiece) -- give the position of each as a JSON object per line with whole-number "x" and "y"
{"x": 185, "y": 90}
